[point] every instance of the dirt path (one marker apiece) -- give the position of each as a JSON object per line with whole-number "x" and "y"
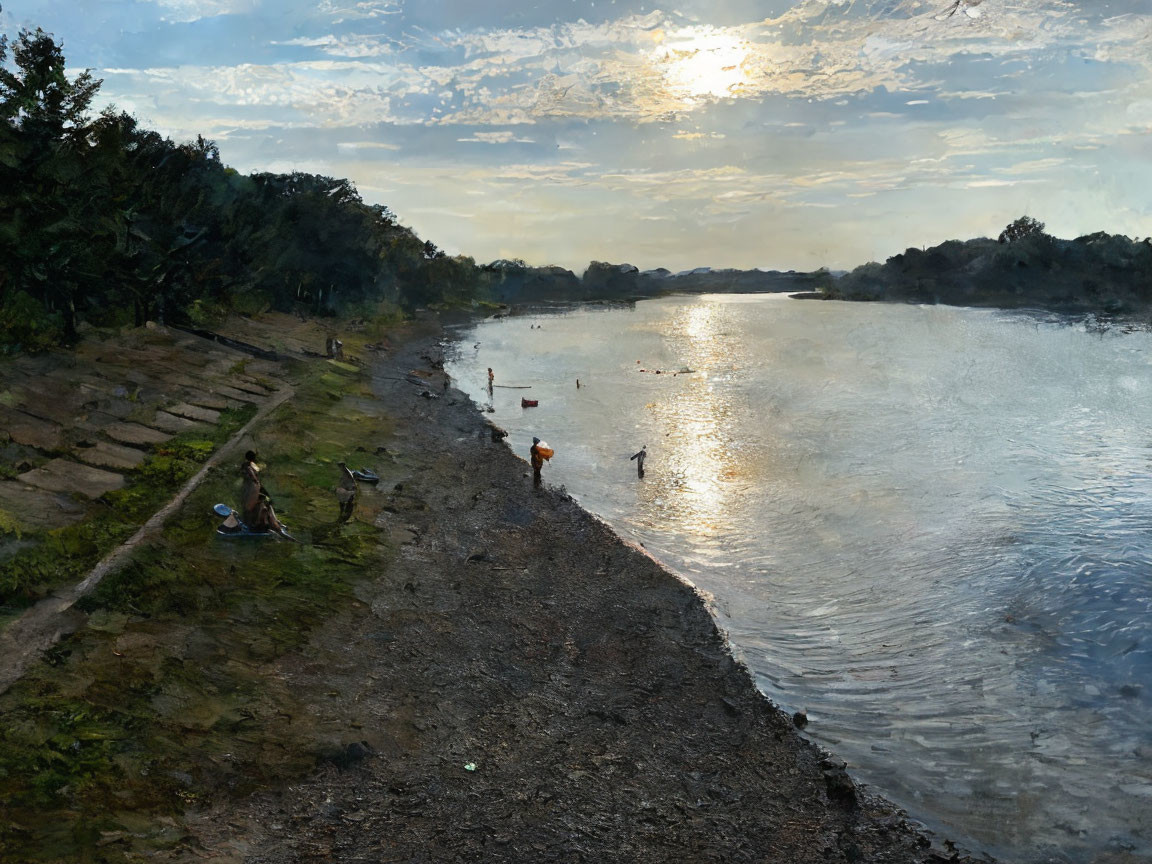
{"x": 521, "y": 685}
{"x": 44, "y": 624}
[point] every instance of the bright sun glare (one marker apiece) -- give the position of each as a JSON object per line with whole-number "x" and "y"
{"x": 701, "y": 62}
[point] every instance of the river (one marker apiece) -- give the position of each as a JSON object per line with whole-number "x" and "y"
{"x": 929, "y": 527}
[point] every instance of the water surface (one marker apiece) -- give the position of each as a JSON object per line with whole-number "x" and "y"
{"x": 929, "y": 527}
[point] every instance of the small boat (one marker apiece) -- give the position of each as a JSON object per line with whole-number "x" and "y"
{"x": 366, "y": 476}
{"x": 528, "y": 403}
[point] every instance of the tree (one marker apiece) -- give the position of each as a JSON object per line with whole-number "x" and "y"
{"x": 102, "y": 220}
{"x": 51, "y": 200}
{"x": 37, "y": 98}
{"x": 1023, "y": 227}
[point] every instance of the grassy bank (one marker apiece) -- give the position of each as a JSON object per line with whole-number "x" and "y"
{"x": 164, "y": 698}
{"x": 49, "y": 559}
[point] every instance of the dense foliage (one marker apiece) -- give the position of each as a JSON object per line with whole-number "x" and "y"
{"x": 1023, "y": 227}
{"x": 1099, "y": 273}
{"x": 104, "y": 221}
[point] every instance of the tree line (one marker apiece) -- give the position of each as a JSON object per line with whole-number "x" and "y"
{"x": 1024, "y": 267}
{"x": 104, "y": 221}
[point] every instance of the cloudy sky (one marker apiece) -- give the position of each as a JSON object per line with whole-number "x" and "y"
{"x": 748, "y": 133}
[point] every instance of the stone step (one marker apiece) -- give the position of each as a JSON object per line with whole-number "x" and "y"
{"x": 250, "y": 386}
{"x": 209, "y": 400}
{"x": 54, "y": 400}
{"x": 172, "y": 423}
{"x": 64, "y": 475}
{"x": 194, "y": 412}
{"x": 31, "y": 431}
{"x": 239, "y": 395}
{"x": 133, "y": 433}
{"x": 105, "y": 455}
{"x": 39, "y": 508}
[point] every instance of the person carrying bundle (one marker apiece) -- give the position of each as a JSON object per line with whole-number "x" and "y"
{"x": 539, "y": 453}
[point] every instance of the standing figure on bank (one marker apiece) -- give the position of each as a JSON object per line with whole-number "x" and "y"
{"x": 255, "y": 503}
{"x": 639, "y": 459}
{"x": 539, "y": 452}
{"x": 346, "y": 492}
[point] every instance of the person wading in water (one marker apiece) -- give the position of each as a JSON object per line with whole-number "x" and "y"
{"x": 639, "y": 459}
{"x": 539, "y": 452}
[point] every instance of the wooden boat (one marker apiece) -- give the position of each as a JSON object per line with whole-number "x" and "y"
{"x": 528, "y": 403}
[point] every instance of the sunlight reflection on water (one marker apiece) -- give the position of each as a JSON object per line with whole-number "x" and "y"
{"x": 927, "y": 526}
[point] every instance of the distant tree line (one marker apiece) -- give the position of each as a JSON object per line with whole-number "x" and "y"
{"x": 1023, "y": 267}
{"x": 107, "y": 222}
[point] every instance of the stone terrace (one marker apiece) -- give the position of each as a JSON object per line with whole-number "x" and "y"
{"x": 73, "y": 422}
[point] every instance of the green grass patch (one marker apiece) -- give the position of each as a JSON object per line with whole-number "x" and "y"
{"x": 61, "y": 556}
{"x": 164, "y": 700}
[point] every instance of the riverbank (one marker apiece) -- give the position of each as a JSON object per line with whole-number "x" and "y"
{"x": 472, "y": 670}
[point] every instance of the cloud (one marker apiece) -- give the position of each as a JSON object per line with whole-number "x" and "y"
{"x": 838, "y": 116}
{"x": 349, "y": 45}
{"x": 654, "y": 68}
{"x": 184, "y": 11}
{"x": 365, "y": 145}
{"x": 367, "y": 9}
{"x": 502, "y": 137}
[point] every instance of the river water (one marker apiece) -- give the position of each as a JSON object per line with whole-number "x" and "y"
{"x": 930, "y": 527}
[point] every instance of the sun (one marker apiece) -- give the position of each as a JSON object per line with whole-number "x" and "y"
{"x": 699, "y": 63}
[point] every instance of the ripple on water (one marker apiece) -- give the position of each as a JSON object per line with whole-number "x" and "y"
{"x": 927, "y": 526}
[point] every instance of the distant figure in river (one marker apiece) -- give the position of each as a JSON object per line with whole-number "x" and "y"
{"x": 346, "y": 492}
{"x": 491, "y": 378}
{"x": 539, "y": 452}
{"x": 967, "y": 6}
{"x": 577, "y": 383}
{"x": 255, "y": 503}
{"x": 639, "y": 459}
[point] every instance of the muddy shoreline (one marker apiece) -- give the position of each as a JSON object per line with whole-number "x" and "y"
{"x": 519, "y": 684}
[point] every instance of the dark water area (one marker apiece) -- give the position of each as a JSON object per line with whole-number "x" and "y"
{"x": 929, "y": 527}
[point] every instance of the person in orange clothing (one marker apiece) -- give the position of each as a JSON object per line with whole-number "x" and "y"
{"x": 539, "y": 452}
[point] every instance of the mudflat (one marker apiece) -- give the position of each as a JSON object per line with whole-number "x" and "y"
{"x": 519, "y": 684}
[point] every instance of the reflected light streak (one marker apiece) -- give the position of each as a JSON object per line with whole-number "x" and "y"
{"x": 699, "y": 461}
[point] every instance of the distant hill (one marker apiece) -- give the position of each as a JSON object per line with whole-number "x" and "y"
{"x": 1102, "y": 273}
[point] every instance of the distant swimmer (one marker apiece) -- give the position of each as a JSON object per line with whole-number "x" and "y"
{"x": 639, "y": 459}
{"x": 967, "y": 6}
{"x": 577, "y": 383}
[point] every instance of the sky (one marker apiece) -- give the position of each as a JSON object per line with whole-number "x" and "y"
{"x": 679, "y": 134}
